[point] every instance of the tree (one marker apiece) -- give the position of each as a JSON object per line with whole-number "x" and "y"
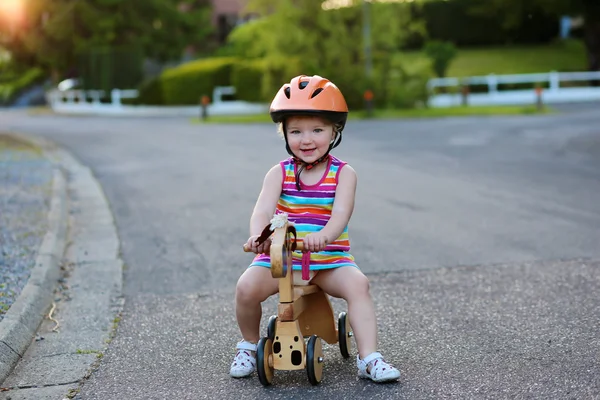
{"x": 509, "y": 10}
{"x": 300, "y": 36}
{"x": 52, "y": 32}
{"x": 441, "y": 55}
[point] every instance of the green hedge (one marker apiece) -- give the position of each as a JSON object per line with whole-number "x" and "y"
{"x": 257, "y": 80}
{"x": 150, "y": 92}
{"x": 9, "y": 88}
{"x": 187, "y": 83}
{"x": 247, "y": 78}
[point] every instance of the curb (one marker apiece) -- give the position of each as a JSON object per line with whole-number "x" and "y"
{"x": 20, "y": 323}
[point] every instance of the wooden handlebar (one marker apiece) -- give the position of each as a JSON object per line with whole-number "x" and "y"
{"x": 299, "y": 247}
{"x": 281, "y": 245}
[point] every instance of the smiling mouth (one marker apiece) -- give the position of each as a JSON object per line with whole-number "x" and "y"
{"x": 307, "y": 150}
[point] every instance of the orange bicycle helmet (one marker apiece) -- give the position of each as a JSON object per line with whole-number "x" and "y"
{"x": 309, "y": 95}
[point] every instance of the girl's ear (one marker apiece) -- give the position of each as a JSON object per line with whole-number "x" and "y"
{"x": 333, "y": 136}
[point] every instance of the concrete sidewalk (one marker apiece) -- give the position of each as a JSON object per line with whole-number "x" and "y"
{"x": 34, "y": 281}
{"x": 53, "y": 334}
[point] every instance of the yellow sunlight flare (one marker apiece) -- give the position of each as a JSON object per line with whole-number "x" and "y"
{"x": 12, "y": 10}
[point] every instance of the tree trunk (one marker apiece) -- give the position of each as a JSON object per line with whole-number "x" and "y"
{"x": 592, "y": 42}
{"x": 592, "y": 36}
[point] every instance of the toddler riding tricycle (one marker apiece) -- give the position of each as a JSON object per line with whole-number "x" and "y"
{"x": 303, "y": 311}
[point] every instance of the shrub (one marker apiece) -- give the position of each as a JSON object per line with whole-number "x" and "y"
{"x": 150, "y": 92}
{"x": 441, "y": 55}
{"x": 247, "y": 78}
{"x": 279, "y": 71}
{"x": 402, "y": 86}
{"x": 9, "y": 89}
{"x": 185, "y": 84}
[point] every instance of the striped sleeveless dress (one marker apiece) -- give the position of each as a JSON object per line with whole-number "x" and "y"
{"x": 310, "y": 209}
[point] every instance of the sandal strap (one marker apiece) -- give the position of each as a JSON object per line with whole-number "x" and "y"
{"x": 371, "y": 357}
{"x": 244, "y": 345}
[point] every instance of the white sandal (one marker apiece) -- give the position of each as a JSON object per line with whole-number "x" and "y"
{"x": 380, "y": 370}
{"x": 244, "y": 363}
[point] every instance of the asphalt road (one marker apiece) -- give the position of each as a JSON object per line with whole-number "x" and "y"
{"x": 480, "y": 236}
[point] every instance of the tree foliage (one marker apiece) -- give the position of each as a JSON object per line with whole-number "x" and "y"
{"x": 52, "y": 32}
{"x": 588, "y": 9}
{"x": 299, "y": 36}
{"x": 441, "y": 54}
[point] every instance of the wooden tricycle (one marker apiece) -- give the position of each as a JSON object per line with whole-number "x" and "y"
{"x": 303, "y": 311}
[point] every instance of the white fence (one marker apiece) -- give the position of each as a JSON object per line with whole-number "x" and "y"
{"x": 88, "y": 102}
{"x": 555, "y": 93}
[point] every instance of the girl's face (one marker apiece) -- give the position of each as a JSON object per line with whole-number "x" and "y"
{"x": 309, "y": 137}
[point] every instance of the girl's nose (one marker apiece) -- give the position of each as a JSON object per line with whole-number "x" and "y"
{"x": 306, "y": 138}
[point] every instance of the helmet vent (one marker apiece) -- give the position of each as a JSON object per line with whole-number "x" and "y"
{"x": 286, "y": 91}
{"x": 316, "y": 92}
{"x": 303, "y": 84}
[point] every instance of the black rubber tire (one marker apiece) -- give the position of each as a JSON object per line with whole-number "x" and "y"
{"x": 271, "y": 327}
{"x": 265, "y": 373}
{"x": 343, "y": 335}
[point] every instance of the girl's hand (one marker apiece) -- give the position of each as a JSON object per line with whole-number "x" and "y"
{"x": 315, "y": 242}
{"x": 252, "y": 244}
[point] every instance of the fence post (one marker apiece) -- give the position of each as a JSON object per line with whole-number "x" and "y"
{"x": 95, "y": 94}
{"x": 70, "y": 95}
{"x": 554, "y": 81}
{"x": 492, "y": 83}
{"x": 115, "y": 97}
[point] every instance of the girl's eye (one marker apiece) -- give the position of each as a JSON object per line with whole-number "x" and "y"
{"x": 318, "y": 130}
{"x": 294, "y": 132}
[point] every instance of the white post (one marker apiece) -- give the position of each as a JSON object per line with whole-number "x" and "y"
{"x": 217, "y": 93}
{"x": 492, "y": 81}
{"x": 554, "y": 81}
{"x": 115, "y": 97}
{"x": 81, "y": 97}
{"x": 70, "y": 95}
{"x": 430, "y": 87}
{"x": 95, "y": 94}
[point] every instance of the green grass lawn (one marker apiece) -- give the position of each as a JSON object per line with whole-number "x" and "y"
{"x": 392, "y": 114}
{"x": 560, "y": 56}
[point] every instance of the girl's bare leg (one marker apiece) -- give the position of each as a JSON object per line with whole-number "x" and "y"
{"x": 254, "y": 286}
{"x": 350, "y": 284}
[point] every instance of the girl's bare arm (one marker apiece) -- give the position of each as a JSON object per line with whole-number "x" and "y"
{"x": 267, "y": 201}
{"x": 343, "y": 205}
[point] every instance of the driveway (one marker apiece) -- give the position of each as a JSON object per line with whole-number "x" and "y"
{"x": 480, "y": 236}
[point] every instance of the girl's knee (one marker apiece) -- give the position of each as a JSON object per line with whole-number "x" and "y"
{"x": 247, "y": 291}
{"x": 252, "y": 287}
{"x": 363, "y": 283}
{"x": 359, "y": 284}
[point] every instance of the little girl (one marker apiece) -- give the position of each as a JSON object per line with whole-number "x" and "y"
{"x": 317, "y": 192}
